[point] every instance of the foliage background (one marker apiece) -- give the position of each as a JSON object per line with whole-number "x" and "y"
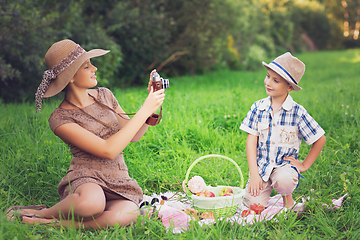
{"x": 178, "y": 37}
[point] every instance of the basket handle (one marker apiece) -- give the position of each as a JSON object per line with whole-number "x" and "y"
{"x": 209, "y": 156}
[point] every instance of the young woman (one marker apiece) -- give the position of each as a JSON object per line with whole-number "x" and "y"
{"x": 97, "y": 191}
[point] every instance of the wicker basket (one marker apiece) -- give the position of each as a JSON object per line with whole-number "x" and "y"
{"x": 220, "y": 206}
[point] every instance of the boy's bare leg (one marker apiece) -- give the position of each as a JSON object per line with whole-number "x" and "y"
{"x": 288, "y": 201}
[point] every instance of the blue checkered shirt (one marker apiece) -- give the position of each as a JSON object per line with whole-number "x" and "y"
{"x": 279, "y": 134}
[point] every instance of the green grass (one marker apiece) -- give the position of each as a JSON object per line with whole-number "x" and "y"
{"x": 33, "y": 159}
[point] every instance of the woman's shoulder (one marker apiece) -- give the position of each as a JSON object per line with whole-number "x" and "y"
{"x": 103, "y": 91}
{"x": 59, "y": 117}
{"x": 107, "y": 97}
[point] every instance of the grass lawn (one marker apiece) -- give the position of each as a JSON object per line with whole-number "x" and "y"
{"x": 202, "y": 115}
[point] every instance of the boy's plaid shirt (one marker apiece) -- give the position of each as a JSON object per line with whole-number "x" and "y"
{"x": 279, "y": 135}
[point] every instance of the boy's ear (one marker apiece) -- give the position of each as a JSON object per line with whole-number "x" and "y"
{"x": 290, "y": 88}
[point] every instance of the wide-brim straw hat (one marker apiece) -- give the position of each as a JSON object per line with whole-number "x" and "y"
{"x": 288, "y": 67}
{"x": 63, "y": 58}
{"x": 59, "y": 51}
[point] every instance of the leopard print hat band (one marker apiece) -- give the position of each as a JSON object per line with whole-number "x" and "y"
{"x": 51, "y": 74}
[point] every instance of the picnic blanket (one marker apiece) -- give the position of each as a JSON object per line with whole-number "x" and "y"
{"x": 174, "y": 210}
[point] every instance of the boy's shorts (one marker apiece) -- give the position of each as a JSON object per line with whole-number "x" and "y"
{"x": 283, "y": 179}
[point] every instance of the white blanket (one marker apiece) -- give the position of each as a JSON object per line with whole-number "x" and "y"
{"x": 172, "y": 211}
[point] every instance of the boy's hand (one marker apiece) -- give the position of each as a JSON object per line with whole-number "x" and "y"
{"x": 255, "y": 185}
{"x": 299, "y": 165}
{"x": 310, "y": 158}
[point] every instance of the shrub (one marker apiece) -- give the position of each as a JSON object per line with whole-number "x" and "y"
{"x": 310, "y": 18}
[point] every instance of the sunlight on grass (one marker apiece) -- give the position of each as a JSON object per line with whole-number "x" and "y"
{"x": 354, "y": 59}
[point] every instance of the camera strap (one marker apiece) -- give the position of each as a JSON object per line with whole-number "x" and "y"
{"x": 155, "y": 118}
{"x": 152, "y": 120}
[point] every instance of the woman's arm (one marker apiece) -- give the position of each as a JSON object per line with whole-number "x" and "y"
{"x": 144, "y": 128}
{"x": 123, "y": 122}
{"x": 113, "y": 146}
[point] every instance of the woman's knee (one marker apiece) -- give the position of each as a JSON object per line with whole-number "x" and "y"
{"x": 123, "y": 218}
{"x": 123, "y": 215}
{"x": 90, "y": 201}
{"x": 89, "y": 207}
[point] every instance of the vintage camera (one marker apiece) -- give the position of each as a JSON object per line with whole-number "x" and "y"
{"x": 158, "y": 82}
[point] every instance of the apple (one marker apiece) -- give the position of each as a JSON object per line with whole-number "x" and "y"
{"x": 257, "y": 208}
{"x": 225, "y": 190}
{"x": 246, "y": 213}
{"x": 192, "y": 213}
{"x": 207, "y": 215}
{"x": 200, "y": 194}
{"x": 208, "y": 193}
{"x": 227, "y": 194}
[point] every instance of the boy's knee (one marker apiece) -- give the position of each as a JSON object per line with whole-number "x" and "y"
{"x": 284, "y": 180}
{"x": 262, "y": 198}
{"x": 285, "y": 185}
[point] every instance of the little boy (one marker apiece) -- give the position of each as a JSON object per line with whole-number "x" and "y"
{"x": 275, "y": 127}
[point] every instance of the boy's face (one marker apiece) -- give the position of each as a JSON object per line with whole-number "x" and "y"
{"x": 275, "y": 85}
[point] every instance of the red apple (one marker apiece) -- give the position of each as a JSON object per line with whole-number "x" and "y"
{"x": 257, "y": 208}
{"x": 207, "y": 215}
{"x": 227, "y": 194}
{"x": 208, "y": 193}
{"x": 246, "y": 213}
{"x": 225, "y": 190}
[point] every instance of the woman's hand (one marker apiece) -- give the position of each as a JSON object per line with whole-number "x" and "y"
{"x": 154, "y": 100}
{"x": 255, "y": 185}
{"x": 296, "y": 163}
{"x": 150, "y": 80}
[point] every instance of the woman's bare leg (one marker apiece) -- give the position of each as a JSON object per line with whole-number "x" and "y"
{"x": 87, "y": 201}
{"x": 122, "y": 212}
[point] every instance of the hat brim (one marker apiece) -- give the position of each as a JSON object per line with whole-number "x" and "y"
{"x": 64, "y": 78}
{"x": 282, "y": 74}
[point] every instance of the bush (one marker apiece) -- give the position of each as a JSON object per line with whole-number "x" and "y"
{"x": 28, "y": 28}
{"x": 251, "y": 35}
{"x": 23, "y": 39}
{"x": 310, "y": 19}
{"x": 176, "y": 37}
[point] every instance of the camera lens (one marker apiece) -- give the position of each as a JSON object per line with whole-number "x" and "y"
{"x": 165, "y": 83}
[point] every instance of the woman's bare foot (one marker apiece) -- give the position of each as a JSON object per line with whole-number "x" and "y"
{"x": 32, "y": 218}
